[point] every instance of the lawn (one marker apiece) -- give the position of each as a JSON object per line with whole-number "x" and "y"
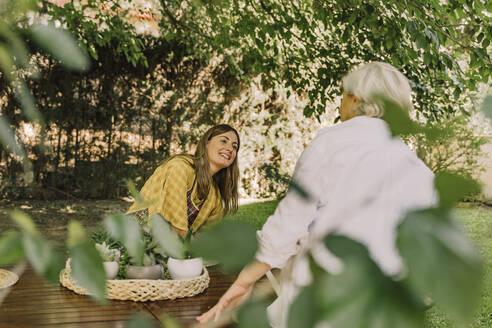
{"x": 477, "y": 222}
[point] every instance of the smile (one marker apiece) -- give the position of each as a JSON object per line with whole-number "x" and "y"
{"x": 227, "y": 157}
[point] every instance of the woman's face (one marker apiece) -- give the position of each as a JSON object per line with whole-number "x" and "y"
{"x": 222, "y": 150}
{"x": 347, "y": 107}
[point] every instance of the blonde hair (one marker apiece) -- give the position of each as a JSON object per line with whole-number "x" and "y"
{"x": 376, "y": 80}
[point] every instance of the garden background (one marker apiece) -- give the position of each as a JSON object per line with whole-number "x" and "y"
{"x": 162, "y": 72}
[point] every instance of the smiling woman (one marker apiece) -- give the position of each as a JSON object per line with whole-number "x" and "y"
{"x": 191, "y": 190}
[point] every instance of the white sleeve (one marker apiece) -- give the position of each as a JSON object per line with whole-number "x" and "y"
{"x": 279, "y": 236}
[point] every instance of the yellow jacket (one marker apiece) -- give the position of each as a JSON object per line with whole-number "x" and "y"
{"x": 165, "y": 193}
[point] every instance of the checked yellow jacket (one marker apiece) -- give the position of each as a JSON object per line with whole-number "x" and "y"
{"x": 165, "y": 193}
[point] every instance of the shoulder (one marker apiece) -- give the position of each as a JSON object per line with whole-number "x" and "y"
{"x": 182, "y": 163}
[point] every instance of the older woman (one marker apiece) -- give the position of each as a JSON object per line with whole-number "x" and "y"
{"x": 361, "y": 181}
{"x": 189, "y": 191}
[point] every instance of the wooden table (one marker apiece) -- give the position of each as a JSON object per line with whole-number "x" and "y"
{"x": 34, "y": 303}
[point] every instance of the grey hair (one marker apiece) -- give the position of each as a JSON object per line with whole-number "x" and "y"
{"x": 373, "y": 80}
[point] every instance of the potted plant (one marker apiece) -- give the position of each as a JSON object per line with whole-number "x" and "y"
{"x": 186, "y": 267}
{"x": 151, "y": 267}
{"x": 110, "y": 258}
{"x": 110, "y": 252}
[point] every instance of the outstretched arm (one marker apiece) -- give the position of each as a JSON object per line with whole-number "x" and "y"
{"x": 239, "y": 290}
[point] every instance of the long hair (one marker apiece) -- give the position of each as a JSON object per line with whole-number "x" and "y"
{"x": 226, "y": 180}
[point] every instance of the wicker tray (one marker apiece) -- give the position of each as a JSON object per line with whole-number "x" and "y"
{"x": 7, "y": 278}
{"x": 142, "y": 290}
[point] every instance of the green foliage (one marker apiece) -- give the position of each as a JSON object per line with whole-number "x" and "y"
{"x": 86, "y": 262}
{"x": 253, "y": 315}
{"x": 457, "y": 148}
{"x": 140, "y": 320}
{"x": 453, "y": 188}
{"x": 127, "y": 231}
{"x": 360, "y": 296}
{"x": 11, "y": 248}
{"x": 303, "y": 311}
{"x": 309, "y": 46}
{"x": 107, "y": 253}
{"x": 166, "y": 238}
{"x": 429, "y": 241}
{"x": 43, "y": 258}
{"x": 232, "y": 244}
{"x": 60, "y": 44}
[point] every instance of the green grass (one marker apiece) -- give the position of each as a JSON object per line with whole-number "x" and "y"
{"x": 477, "y": 223}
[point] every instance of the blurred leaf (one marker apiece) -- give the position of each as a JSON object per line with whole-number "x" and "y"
{"x": 398, "y": 119}
{"x": 24, "y": 222}
{"x": 76, "y": 234}
{"x": 442, "y": 262}
{"x": 253, "y": 315}
{"x": 452, "y": 188}
{"x": 6, "y": 62}
{"x": 302, "y": 312}
{"x": 362, "y": 296}
{"x": 26, "y": 99}
{"x": 128, "y": 232}
{"x": 19, "y": 51}
{"x": 140, "y": 320}
{"x": 11, "y": 250}
{"x": 136, "y": 195}
{"x": 168, "y": 321}
{"x": 232, "y": 244}
{"x": 61, "y": 45}
{"x": 43, "y": 258}
{"x": 167, "y": 239}
{"x": 86, "y": 262}
{"x": 487, "y": 107}
{"x": 7, "y": 138}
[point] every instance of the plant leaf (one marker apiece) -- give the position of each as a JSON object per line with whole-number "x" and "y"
{"x": 61, "y": 45}
{"x": 43, "y": 258}
{"x": 398, "y": 119}
{"x": 88, "y": 269}
{"x": 232, "y": 244}
{"x": 11, "y": 250}
{"x": 140, "y": 320}
{"x": 452, "y": 188}
{"x": 166, "y": 237}
{"x": 442, "y": 262}
{"x": 361, "y": 295}
{"x": 128, "y": 232}
{"x": 302, "y": 312}
{"x": 253, "y": 315}
{"x": 86, "y": 262}
{"x": 24, "y": 222}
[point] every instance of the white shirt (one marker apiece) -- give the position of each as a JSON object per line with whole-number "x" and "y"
{"x": 361, "y": 181}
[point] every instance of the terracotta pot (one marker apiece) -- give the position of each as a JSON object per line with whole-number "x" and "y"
{"x": 144, "y": 272}
{"x": 185, "y": 269}
{"x": 111, "y": 269}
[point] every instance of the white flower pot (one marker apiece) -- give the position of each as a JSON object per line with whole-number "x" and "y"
{"x": 185, "y": 269}
{"x": 111, "y": 269}
{"x": 144, "y": 272}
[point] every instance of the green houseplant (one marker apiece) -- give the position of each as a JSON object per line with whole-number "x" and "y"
{"x": 186, "y": 267}
{"x": 151, "y": 265}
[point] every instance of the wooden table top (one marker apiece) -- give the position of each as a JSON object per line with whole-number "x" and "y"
{"x": 32, "y": 302}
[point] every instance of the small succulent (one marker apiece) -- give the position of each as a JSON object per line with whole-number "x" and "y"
{"x": 108, "y": 254}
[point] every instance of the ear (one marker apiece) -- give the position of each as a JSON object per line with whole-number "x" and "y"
{"x": 355, "y": 100}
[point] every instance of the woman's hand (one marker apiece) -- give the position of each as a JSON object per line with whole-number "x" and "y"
{"x": 234, "y": 296}
{"x": 239, "y": 290}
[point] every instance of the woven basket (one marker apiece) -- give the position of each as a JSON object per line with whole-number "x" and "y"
{"x": 7, "y": 278}
{"x": 142, "y": 290}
